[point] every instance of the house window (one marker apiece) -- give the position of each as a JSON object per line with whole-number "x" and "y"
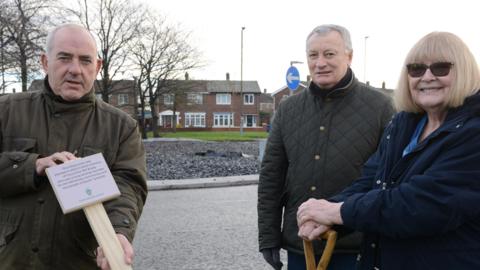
{"x": 223, "y": 119}
{"x": 122, "y": 99}
{"x": 194, "y": 119}
{"x": 223, "y": 99}
{"x": 248, "y": 99}
{"x": 168, "y": 99}
{"x": 194, "y": 98}
{"x": 250, "y": 120}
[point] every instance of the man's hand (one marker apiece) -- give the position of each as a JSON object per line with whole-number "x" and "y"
{"x": 272, "y": 256}
{"x": 320, "y": 211}
{"x": 127, "y": 251}
{"x": 57, "y": 158}
{"x": 311, "y": 230}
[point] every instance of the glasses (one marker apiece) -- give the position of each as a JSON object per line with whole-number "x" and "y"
{"x": 438, "y": 69}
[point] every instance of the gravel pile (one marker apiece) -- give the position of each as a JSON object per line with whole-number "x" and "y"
{"x": 179, "y": 159}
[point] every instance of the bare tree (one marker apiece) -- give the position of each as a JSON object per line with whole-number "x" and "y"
{"x": 6, "y": 61}
{"x": 24, "y": 25}
{"x": 161, "y": 55}
{"x": 116, "y": 24}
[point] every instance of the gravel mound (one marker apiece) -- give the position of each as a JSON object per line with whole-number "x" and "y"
{"x": 200, "y": 159}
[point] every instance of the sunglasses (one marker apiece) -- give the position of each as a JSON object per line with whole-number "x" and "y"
{"x": 438, "y": 69}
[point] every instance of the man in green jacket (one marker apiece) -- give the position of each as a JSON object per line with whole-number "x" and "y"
{"x": 62, "y": 122}
{"x": 319, "y": 140}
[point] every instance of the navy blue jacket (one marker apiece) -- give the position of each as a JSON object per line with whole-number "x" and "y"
{"x": 421, "y": 211}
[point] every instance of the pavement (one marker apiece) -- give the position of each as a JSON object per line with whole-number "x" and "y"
{"x": 210, "y": 182}
{"x": 200, "y": 229}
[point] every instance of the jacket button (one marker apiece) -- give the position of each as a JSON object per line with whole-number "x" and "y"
{"x": 40, "y": 200}
{"x": 379, "y": 182}
{"x": 322, "y": 128}
{"x": 317, "y": 157}
{"x": 373, "y": 245}
{"x": 35, "y": 249}
{"x": 126, "y": 221}
{"x": 15, "y": 166}
{"x": 313, "y": 188}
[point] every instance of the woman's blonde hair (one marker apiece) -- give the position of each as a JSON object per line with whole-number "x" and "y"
{"x": 441, "y": 47}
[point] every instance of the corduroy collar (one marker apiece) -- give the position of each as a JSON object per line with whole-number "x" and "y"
{"x": 337, "y": 90}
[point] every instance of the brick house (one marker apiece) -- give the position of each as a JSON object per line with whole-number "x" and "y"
{"x": 266, "y": 107}
{"x": 210, "y": 104}
{"x": 284, "y": 92}
{"x": 200, "y": 104}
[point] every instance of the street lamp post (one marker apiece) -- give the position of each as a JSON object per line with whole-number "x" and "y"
{"x": 241, "y": 80}
{"x": 2, "y": 58}
{"x": 365, "y": 61}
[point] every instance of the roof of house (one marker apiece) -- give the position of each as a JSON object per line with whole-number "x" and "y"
{"x": 214, "y": 86}
{"x": 266, "y": 98}
{"x": 302, "y": 85}
{"x": 36, "y": 85}
{"x": 119, "y": 85}
{"x": 233, "y": 86}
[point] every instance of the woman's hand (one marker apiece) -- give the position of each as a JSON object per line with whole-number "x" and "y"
{"x": 321, "y": 212}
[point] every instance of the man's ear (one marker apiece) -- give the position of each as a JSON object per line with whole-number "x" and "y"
{"x": 44, "y": 61}
{"x": 350, "y": 57}
{"x": 99, "y": 64}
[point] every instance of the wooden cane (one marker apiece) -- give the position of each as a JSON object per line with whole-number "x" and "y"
{"x": 331, "y": 237}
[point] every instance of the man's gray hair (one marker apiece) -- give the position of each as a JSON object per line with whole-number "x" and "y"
{"x": 324, "y": 29}
{"x": 51, "y": 35}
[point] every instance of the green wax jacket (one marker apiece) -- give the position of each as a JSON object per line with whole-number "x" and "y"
{"x": 34, "y": 233}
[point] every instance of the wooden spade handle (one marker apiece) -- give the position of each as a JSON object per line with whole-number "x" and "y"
{"x": 107, "y": 239}
{"x": 331, "y": 237}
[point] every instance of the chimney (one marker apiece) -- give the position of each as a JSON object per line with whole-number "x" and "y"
{"x": 228, "y": 76}
{"x": 186, "y": 76}
{"x": 383, "y": 85}
{"x": 265, "y": 90}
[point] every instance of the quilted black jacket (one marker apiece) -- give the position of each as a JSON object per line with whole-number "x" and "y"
{"x": 316, "y": 148}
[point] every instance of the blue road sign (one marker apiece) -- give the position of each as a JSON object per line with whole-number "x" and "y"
{"x": 293, "y": 78}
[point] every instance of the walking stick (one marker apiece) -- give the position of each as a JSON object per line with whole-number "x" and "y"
{"x": 331, "y": 237}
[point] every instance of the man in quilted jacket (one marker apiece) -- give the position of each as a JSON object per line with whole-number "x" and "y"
{"x": 317, "y": 145}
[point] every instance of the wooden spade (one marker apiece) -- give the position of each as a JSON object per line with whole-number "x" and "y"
{"x": 85, "y": 183}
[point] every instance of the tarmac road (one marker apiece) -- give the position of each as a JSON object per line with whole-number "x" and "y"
{"x": 200, "y": 229}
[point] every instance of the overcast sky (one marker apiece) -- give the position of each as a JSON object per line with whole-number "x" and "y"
{"x": 276, "y": 30}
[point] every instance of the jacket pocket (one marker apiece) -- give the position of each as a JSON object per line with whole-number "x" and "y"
{"x": 11, "y": 144}
{"x": 9, "y": 223}
{"x": 18, "y": 149}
